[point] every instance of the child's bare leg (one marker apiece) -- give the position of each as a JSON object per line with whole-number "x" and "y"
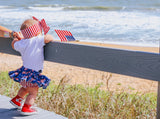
{"x": 32, "y": 95}
{"x": 17, "y": 100}
{"x": 26, "y": 109}
{"x": 22, "y": 92}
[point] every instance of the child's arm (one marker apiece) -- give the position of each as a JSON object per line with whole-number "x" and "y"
{"x": 5, "y": 29}
{"x": 18, "y": 36}
{"x": 14, "y": 40}
{"x": 48, "y": 38}
{"x": 4, "y": 32}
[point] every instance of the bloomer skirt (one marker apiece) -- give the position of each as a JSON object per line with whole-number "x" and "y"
{"x": 29, "y": 77}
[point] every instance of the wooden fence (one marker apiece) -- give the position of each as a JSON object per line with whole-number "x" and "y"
{"x": 127, "y": 62}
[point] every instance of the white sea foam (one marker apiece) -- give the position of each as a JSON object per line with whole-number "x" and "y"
{"x": 3, "y": 7}
{"x": 46, "y": 8}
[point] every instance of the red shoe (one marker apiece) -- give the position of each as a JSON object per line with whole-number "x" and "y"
{"x": 17, "y": 102}
{"x": 27, "y": 110}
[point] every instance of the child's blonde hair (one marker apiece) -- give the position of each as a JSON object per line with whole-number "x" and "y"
{"x": 27, "y": 23}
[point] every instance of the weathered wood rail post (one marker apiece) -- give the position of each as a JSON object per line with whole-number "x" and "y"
{"x": 126, "y": 62}
{"x": 158, "y": 101}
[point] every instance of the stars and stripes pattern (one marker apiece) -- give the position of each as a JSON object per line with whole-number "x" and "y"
{"x": 65, "y": 35}
{"x": 43, "y": 25}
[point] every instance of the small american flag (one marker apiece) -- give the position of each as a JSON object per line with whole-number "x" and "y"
{"x": 65, "y": 35}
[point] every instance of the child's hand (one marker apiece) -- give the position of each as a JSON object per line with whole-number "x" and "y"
{"x": 18, "y": 35}
{"x": 48, "y": 38}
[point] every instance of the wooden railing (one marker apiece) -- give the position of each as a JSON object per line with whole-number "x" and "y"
{"x": 132, "y": 63}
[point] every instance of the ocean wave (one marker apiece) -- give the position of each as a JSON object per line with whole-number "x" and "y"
{"x": 7, "y": 7}
{"x": 64, "y": 7}
{"x": 93, "y": 8}
{"x": 67, "y": 7}
{"x": 50, "y": 5}
{"x": 46, "y": 8}
{"x": 108, "y": 8}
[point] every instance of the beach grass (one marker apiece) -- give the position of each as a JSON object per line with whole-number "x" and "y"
{"x": 83, "y": 102}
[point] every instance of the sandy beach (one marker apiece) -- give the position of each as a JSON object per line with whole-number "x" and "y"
{"x": 88, "y": 77}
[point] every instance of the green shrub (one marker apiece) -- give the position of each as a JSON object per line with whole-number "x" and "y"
{"x": 77, "y": 101}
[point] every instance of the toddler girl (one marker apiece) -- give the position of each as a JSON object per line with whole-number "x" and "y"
{"x": 29, "y": 43}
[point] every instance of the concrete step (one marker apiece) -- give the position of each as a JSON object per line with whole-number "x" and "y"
{"x": 8, "y": 111}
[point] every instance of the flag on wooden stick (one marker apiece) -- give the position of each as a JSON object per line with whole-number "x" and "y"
{"x": 65, "y": 35}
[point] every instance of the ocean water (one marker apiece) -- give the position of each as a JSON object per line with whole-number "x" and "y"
{"x": 131, "y": 22}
